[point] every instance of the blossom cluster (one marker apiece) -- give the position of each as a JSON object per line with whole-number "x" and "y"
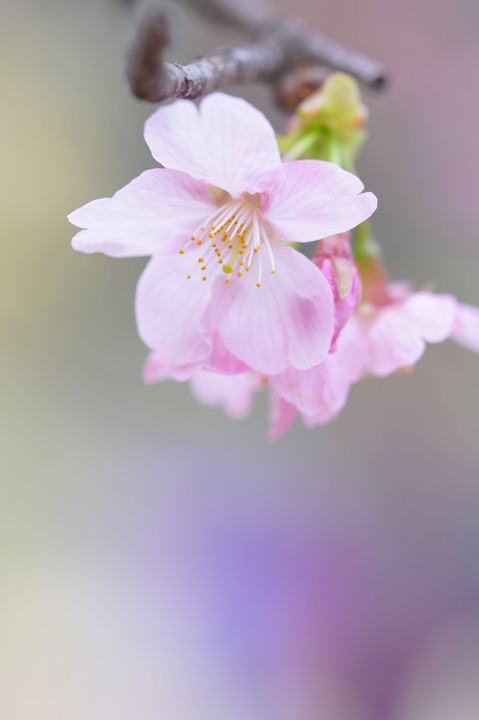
{"x": 227, "y": 300}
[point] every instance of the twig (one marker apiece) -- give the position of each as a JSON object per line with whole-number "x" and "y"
{"x": 279, "y": 46}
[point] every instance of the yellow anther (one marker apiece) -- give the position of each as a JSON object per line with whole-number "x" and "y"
{"x": 239, "y": 274}
{"x": 241, "y": 252}
{"x": 200, "y": 260}
{"x": 204, "y": 278}
{"x": 188, "y": 277}
{"x": 210, "y": 235}
{"x": 193, "y": 238}
{"x": 241, "y": 262}
{"x": 214, "y": 245}
{"x": 182, "y": 252}
{"x": 273, "y": 272}
{"x": 258, "y": 284}
{"x": 213, "y": 227}
{"x": 230, "y": 246}
{"x": 256, "y": 249}
{"x": 220, "y": 261}
{"x": 227, "y": 281}
{"x": 204, "y": 267}
{"x": 247, "y": 269}
{"x": 199, "y": 242}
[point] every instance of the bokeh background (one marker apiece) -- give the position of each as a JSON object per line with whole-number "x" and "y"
{"x": 158, "y": 560}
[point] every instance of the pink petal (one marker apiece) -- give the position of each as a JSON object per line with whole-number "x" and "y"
{"x": 226, "y": 142}
{"x": 234, "y": 393}
{"x": 433, "y": 315}
{"x": 321, "y": 392}
{"x": 282, "y": 415}
{"x": 169, "y": 307}
{"x": 466, "y": 327}
{"x": 177, "y": 362}
{"x": 221, "y": 360}
{"x": 310, "y": 199}
{"x": 397, "y": 337}
{"x": 156, "y": 212}
{"x": 287, "y": 321}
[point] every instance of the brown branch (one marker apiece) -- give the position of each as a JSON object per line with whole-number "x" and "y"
{"x": 279, "y": 46}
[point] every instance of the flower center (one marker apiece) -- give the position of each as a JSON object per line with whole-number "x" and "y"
{"x": 233, "y": 235}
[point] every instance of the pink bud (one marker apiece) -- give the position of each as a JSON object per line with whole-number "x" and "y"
{"x": 334, "y": 258}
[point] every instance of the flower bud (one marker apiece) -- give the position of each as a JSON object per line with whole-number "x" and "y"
{"x": 334, "y": 258}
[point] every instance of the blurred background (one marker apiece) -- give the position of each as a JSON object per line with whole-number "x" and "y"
{"x": 159, "y": 560}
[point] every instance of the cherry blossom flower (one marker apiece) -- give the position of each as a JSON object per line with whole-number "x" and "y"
{"x": 379, "y": 339}
{"x": 222, "y": 285}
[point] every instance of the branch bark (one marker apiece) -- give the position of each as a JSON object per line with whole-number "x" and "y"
{"x": 279, "y": 46}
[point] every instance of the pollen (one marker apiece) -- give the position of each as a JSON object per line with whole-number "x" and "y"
{"x": 204, "y": 267}
{"x": 227, "y": 281}
{"x": 204, "y": 279}
{"x": 182, "y": 252}
{"x": 200, "y": 260}
{"x": 239, "y": 274}
{"x": 247, "y": 269}
{"x": 258, "y": 284}
{"x": 273, "y": 272}
{"x": 188, "y": 277}
{"x": 199, "y": 242}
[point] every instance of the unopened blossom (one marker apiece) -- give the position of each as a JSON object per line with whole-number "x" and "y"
{"x": 334, "y": 258}
{"x": 223, "y": 285}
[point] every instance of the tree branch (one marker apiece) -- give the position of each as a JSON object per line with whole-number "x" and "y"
{"x": 278, "y": 46}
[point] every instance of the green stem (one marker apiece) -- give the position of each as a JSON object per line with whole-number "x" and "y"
{"x": 365, "y": 247}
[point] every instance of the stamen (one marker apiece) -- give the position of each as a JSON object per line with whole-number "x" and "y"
{"x": 260, "y": 272}
{"x": 265, "y": 239}
{"x": 239, "y": 225}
